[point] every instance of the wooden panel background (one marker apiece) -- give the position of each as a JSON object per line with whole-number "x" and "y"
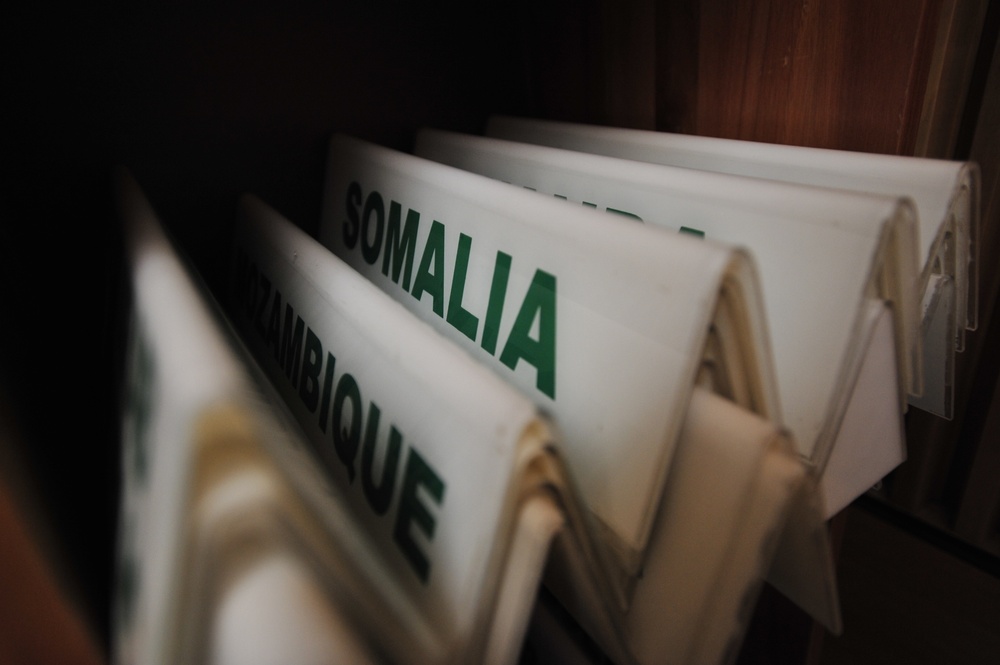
{"x": 846, "y": 75}
{"x": 895, "y": 77}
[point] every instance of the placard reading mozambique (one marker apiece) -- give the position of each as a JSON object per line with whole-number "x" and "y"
{"x": 454, "y": 473}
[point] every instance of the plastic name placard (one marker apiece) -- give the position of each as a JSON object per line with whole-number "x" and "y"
{"x": 944, "y": 193}
{"x": 452, "y": 472}
{"x": 220, "y": 497}
{"x": 826, "y": 258}
{"x": 609, "y": 328}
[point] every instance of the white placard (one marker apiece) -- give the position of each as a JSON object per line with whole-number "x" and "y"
{"x": 448, "y": 467}
{"x": 639, "y": 318}
{"x": 603, "y": 325}
{"x": 431, "y": 553}
{"x": 823, "y": 256}
{"x": 945, "y": 195}
{"x": 193, "y": 406}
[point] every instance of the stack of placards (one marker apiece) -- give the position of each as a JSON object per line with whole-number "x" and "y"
{"x": 651, "y": 354}
{"x": 454, "y": 475}
{"x": 945, "y": 195}
{"x": 838, "y": 268}
{"x": 409, "y": 524}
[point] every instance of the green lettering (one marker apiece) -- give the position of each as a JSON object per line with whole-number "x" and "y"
{"x": 352, "y": 225}
{"x": 400, "y": 246}
{"x": 373, "y": 206}
{"x": 539, "y": 302}
{"x": 694, "y": 232}
{"x": 379, "y": 494}
{"x": 347, "y": 436}
{"x": 412, "y": 511}
{"x": 427, "y": 281}
{"x": 274, "y": 326}
{"x": 324, "y": 407}
{"x": 630, "y": 215}
{"x": 463, "y": 320}
{"x": 494, "y": 308}
{"x": 312, "y": 363}
{"x": 291, "y": 345}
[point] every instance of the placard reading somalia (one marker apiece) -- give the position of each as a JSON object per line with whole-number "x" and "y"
{"x": 601, "y": 325}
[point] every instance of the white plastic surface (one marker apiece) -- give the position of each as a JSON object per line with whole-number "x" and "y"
{"x": 821, "y": 255}
{"x": 945, "y": 195}
{"x": 275, "y": 613}
{"x": 632, "y": 308}
{"x": 465, "y": 426}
